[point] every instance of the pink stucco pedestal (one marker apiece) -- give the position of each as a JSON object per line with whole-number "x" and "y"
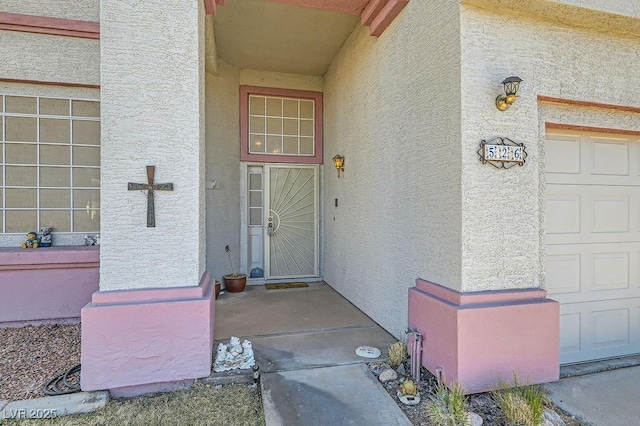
{"x": 139, "y": 341}
{"x": 483, "y": 338}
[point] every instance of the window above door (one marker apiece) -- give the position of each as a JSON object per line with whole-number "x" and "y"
{"x": 280, "y": 125}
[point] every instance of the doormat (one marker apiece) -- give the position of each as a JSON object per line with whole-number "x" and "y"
{"x": 285, "y": 285}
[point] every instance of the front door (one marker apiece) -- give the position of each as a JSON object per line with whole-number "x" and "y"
{"x": 291, "y": 221}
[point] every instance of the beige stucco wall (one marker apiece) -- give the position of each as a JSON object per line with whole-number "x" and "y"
{"x": 223, "y": 165}
{"x": 392, "y": 108}
{"x": 42, "y": 57}
{"x": 620, "y": 7}
{"x": 503, "y": 217}
{"x": 152, "y": 91}
{"x": 223, "y": 205}
{"x": 83, "y": 10}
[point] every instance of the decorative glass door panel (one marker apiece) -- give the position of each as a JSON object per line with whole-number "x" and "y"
{"x": 291, "y": 221}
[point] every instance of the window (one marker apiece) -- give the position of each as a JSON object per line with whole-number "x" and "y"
{"x": 255, "y": 198}
{"x": 281, "y": 126}
{"x": 50, "y": 164}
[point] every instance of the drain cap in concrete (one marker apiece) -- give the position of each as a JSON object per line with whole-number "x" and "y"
{"x": 368, "y": 352}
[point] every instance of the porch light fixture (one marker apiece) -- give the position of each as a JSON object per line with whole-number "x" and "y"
{"x": 338, "y": 163}
{"x": 511, "y": 86}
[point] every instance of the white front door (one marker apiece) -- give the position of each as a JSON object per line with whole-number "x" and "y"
{"x": 593, "y": 242}
{"x": 291, "y": 221}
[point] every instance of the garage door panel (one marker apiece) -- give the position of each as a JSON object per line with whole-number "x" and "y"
{"x": 563, "y": 154}
{"x": 563, "y": 213}
{"x": 610, "y": 271}
{"x": 570, "y": 333}
{"x": 611, "y": 327}
{"x": 590, "y": 272}
{"x": 610, "y": 157}
{"x": 563, "y": 273}
{"x": 610, "y": 213}
{"x": 591, "y": 160}
{"x": 592, "y": 222}
{"x": 578, "y": 214}
{"x": 601, "y": 329}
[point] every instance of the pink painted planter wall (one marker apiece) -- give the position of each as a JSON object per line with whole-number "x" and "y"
{"x": 479, "y": 339}
{"x": 138, "y": 341}
{"x": 46, "y": 284}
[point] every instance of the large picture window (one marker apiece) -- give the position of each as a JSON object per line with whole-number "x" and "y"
{"x": 280, "y": 126}
{"x": 50, "y": 164}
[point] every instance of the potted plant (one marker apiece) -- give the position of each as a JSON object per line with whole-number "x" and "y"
{"x": 234, "y": 282}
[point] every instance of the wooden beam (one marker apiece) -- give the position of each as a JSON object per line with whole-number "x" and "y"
{"x": 48, "y": 25}
{"x": 552, "y": 100}
{"x": 386, "y": 16}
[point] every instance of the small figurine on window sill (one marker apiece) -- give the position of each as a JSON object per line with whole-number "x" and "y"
{"x": 92, "y": 240}
{"x": 32, "y": 240}
{"x": 45, "y": 239}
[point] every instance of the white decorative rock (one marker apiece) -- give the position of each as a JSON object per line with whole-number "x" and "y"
{"x": 388, "y": 375}
{"x": 474, "y": 419}
{"x": 409, "y": 399}
{"x": 368, "y": 352}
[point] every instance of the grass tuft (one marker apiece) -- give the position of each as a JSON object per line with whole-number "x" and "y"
{"x": 521, "y": 405}
{"x": 236, "y": 405}
{"x": 448, "y": 407}
{"x": 397, "y": 354}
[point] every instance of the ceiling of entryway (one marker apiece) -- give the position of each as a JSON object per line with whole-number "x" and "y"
{"x": 256, "y": 34}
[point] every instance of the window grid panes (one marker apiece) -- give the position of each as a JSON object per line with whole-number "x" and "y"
{"x": 50, "y": 164}
{"x": 255, "y": 199}
{"x": 281, "y": 126}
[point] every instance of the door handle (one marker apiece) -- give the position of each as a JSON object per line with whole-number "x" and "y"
{"x": 270, "y": 227}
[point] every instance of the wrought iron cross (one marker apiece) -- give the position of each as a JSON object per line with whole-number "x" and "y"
{"x": 150, "y": 187}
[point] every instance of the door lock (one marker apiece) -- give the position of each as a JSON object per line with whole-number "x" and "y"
{"x": 270, "y": 227}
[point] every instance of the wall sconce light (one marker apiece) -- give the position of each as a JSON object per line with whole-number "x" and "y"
{"x": 338, "y": 163}
{"x": 511, "y": 86}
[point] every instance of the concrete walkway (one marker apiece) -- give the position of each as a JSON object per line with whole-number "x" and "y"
{"x": 342, "y": 395}
{"x": 304, "y": 341}
{"x": 602, "y": 399}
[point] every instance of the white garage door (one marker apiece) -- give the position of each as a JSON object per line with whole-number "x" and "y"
{"x": 593, "y": 243}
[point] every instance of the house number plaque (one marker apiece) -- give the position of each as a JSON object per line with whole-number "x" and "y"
{"x": 502, "y": 153}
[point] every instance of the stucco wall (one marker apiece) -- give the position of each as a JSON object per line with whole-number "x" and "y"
{"x": 84, "y": 10}
{"x": 42, "y": 57}
{"x": 502, "y": 225}
{"x": 392, "y": 108}
{"x": 620, "y": 7}
{"x": 152, "y": 82}
{"x": 222, "y": 165}
{"x": 223, "y": 205}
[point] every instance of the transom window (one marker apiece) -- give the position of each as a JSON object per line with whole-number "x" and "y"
{"x": 279, "y": 125}
{"x": 50, "y": 164}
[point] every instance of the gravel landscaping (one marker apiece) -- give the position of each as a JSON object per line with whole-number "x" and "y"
{"x": 482, "y": 404}
{"x": 31, "y": 356}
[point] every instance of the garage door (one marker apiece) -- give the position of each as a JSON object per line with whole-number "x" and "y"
{"x": 593, "y": 243}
